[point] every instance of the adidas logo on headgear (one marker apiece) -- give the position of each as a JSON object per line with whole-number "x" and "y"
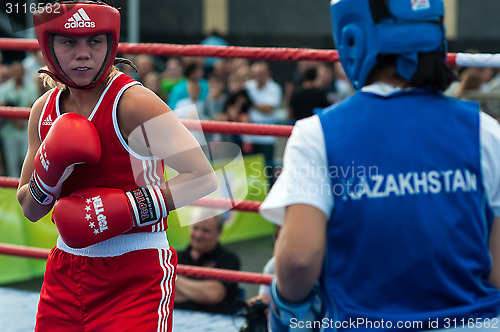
{"x": 80, "y": 19}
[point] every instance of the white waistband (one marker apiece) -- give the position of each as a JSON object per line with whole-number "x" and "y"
{"x": 119, "y": 245}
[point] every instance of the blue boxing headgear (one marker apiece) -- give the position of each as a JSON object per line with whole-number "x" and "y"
{"x": 365, "y": 29}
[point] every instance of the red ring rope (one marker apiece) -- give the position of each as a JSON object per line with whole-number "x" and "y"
{"x": 22, "y": 251}
{"x": 9, "y": 182}
{"x": 185, "y": 270}
{"x": 255, "y": 53}
{"x": 14, "y": 112}
{"x": 221, "y": 203}
{"x": 226, "y": 127}
{"x": 222, "y": 127}
{"x": 224, "y": 275}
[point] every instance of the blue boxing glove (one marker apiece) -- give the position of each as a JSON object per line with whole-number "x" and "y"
{"x": 299, "y": 316}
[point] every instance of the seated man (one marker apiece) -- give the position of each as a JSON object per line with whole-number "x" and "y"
{"x": 205, "y": 250}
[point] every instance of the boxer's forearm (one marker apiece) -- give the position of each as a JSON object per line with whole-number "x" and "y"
{"x": 32, "y": 210}
{"x": 300, "y": 250}
{"x": 186, "y": 188}
{"x": 495, "y": 252}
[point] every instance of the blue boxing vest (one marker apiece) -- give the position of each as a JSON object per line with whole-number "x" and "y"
{"x": 408, "y": 236}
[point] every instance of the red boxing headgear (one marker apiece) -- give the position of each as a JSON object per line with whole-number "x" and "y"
{"x": 76, "y": 19}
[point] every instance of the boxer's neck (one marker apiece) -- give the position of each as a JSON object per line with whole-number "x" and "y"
{"x": 81, "y": 101}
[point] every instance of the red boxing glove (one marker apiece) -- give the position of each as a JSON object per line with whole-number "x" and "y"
{"x": 93, "y": 215}
{"x": 71, "y": 140}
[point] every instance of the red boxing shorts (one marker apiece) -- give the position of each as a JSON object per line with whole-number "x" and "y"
{"x": 130, "y": 292}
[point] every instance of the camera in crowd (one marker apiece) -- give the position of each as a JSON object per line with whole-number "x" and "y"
{"x": 255, "y": 314}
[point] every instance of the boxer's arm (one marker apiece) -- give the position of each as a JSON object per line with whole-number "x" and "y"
{"x": 171, "y": 142}
{"x": 490, "y": 169}
{"x": 300, "y": 250}
{"x": 495, "y": 252}
{"x": 31, "y": 208}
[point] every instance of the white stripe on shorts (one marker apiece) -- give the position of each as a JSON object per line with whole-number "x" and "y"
{"x": 166, "y": 289}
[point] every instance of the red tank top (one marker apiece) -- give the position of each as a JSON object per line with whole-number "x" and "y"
{"x": 119, "y": 166}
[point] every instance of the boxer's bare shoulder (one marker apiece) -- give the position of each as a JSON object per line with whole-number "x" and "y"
{"x": 138, "y": 105}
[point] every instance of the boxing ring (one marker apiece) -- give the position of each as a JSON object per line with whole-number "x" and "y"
{"x": 13, "y": 302}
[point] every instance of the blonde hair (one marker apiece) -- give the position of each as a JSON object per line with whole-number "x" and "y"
{"x": 49, "y": 82}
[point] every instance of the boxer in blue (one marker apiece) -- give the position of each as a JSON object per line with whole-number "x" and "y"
{"x": 390, "y": 200}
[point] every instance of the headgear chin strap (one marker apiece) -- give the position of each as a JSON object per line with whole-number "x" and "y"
{"x": 365, "y": 29}
{"x": 76, "y": 19}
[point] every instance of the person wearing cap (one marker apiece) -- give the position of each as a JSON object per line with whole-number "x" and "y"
{"x": 390, "y": 200}
{"x": 98, "y": 143}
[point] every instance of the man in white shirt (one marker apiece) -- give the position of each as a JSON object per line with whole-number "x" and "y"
{"x": 266, "y": 96}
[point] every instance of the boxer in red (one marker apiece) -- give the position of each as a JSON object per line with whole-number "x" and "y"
{"x": 98, "y": 143}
